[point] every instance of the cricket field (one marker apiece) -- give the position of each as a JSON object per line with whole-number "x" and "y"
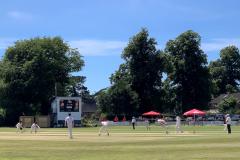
{"x": 207, "y": 143}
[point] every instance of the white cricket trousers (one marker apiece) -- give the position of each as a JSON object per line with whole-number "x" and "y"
{"x": 178, "y": 128}
{"x": 70, "y": 132}
{"x": 103, "y": 129}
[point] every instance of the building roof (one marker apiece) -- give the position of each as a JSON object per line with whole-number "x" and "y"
{"x": 218, "y": 99}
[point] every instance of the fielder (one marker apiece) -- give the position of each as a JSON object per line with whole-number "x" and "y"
{"x": 133, "y": 122}
{"x": 147, "y": 123}
{"x": 228, "y": 122}
{"x": 69, "y": 122}
{"x": 178, "y": 125}
{"x": 163, "y": 124}
{"x": 19, "y": 127}
{"x": 35, "y": 127}
{"x": 104, "y": 128}
{"x": 224, "y": 123}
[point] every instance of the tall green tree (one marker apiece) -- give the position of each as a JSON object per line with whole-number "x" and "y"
{"x": 225, "y": 72}
{"x": 119, "y": 98}
{"x": 29, "y": 71}
{"x": 124, "y": 100}
{"x": 103, "y": 101}
{"x": 136, "y": 85}
{"x": 169, "y": 102}
{"x": 217, "y": 72}
{"x": 190, "y": 75}
{"x": 145, "y": 65}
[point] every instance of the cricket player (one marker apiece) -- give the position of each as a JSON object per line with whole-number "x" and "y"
{"x": 69, "y": 122}
{"x": 19, "y": 127}
{"x": 35, "y": 127}
{"x": 178, "y": 125}
{"x": 228, "y": 122}
{"x": 147, "y": 123}
{"x": 133, "y": 122}
{"x": 104, "y": 128}
{"x": 224, "y": 123}
{"x": 163, "y": 124}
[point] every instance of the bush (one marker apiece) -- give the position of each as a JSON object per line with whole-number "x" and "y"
{"x": 89, "y": 121}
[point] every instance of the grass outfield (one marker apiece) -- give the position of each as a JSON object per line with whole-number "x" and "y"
{"x": 208, "y": 143}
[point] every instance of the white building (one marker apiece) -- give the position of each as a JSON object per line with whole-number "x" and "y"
{"x": 62, "y": 106}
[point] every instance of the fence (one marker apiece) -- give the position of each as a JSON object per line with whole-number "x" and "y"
{"x": 143, "y": 123}
{"x": 43, "y": 121}
{"x": 27, "y": 121}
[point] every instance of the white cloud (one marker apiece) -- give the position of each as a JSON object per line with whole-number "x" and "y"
{"x": 86, "y": 47}
{"x": 109, "y": 47}
{"x": 98, "y": 47}
{"x": 19, "y": 15}
{"x": 220, "y": 43}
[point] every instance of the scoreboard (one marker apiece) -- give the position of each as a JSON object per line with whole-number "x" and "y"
{"x": 62, "y": 106}
{"x": 69, "y": 106}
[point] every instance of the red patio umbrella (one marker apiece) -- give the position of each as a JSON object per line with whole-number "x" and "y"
{"x": 115, "y": 119}
{"x": 194, "y": 112}
{"x": 124, "y": 119}
{"x": 151, "y": 113}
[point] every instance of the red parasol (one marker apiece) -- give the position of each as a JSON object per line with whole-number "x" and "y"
{"x": 194, "y": 112}
{"x": 115, "y": 119}
{"x": 151, "y": 113}
{"x": 124, "y": 119}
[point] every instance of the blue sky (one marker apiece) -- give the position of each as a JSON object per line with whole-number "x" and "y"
{"x": 100, "y": 29}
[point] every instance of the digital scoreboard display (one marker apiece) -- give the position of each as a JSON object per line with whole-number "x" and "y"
{"x": 69, "y": 106}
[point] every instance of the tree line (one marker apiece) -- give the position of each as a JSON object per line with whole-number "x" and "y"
{"x": 173, "y": 80}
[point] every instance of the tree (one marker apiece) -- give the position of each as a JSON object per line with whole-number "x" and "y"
{"x": 124, "y": 100}
{"x": 190, "y": 74}
{"x": 29, "y": 71}
{"x": 228, "y": 105}
{"x": 136, "y": 86}
{"x": 103, "y": 100}
{"x": 145, "y": 65}
{"x": 119, "y": 98}
{"x": 169, "y": 97}
{"x": 217, "y": 72}
{"x": 76, "y": 88}
{"x": 225, "y": 72}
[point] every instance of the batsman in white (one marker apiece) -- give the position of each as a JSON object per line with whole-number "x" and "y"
{"x": 35, "y": 127}
{"x": 104, "y": 128}
{"x": 69, "y": 122}
{"x": 163, "y": 124}
{"x": 19, "y": 127}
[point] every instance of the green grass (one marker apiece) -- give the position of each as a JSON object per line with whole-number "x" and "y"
{"x": 208, "y": 143}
